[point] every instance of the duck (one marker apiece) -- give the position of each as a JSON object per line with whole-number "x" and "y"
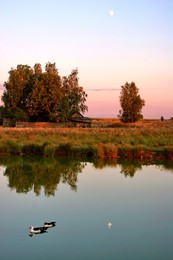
{"x": 49, "y": 224}
{"x": 37, "y": 230}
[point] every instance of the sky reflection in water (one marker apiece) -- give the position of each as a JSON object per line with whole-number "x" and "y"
{"x": 83, "y": 198}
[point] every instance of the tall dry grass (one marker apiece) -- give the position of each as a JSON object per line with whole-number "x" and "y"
{"x": 129, "y": 139}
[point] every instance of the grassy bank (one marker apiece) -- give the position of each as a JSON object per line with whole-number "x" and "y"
{"x": 146, "y": 139}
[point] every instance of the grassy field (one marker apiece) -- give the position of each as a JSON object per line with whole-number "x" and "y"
{"x": 106, "y": 138}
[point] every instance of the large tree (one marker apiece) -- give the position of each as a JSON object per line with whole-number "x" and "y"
{"x": 44, "y": 99}
{"x": 131, "y": 103}
{"x": 14, "y": 97}
{"x": 34, "y": 95}
{"x": 74, "y": 97}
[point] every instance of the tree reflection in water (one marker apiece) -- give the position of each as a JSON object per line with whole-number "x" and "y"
{"x": 104, "y": 162}
{"x": 128, "y": 167}
{"x": 26, "y": 174}
{"x": 166, "y": 166}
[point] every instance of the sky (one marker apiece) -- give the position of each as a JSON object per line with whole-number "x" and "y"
{"x": 111, "y": 42}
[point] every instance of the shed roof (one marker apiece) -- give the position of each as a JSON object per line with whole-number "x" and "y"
{"x": 78, "y": 117}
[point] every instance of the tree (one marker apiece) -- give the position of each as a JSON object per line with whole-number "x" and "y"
{"x": 131, "y": 103}
{"x": 74, "y": 97}
{"x": 18, "y": 80}
{"x": 34, "y": 95}
{"x": 14, "y": 98}
{"x": 44, "y": 99}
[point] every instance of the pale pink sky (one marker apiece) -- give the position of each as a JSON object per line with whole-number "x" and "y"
{"x": 134, "y": 44}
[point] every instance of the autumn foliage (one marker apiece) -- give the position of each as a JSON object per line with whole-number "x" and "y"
{"x": 131, "y": 103}
{"x": 35, "y": 95}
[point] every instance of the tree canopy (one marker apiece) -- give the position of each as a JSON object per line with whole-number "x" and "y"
{"x": 131, "y": 103}
{"x": 34, "y": 95}
{"x": 74, "y": 96}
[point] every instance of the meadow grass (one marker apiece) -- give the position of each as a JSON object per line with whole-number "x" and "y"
{"x": 144, "y": 139}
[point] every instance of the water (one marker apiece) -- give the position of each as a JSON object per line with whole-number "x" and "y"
{"x": 83, "y": 197}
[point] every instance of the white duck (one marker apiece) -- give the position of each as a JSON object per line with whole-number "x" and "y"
{"x": 37, "y": 230}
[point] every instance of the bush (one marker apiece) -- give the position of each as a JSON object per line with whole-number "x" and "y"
{"x": 105, "y": 150}
{"x": 13, "y": 147}
{"x": 33, "y": 149}
{"x": 50, "y": 150}
{"x": 64, "y": 150}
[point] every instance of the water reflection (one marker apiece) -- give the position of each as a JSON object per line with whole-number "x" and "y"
{"x": 32, "y": 234}
{"x": 128, "y": 167}
{"x": 26, "y": 174}
{"x": 166, "y": 166}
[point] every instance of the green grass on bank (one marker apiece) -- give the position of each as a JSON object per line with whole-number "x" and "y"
{"x": 143, "y": 140}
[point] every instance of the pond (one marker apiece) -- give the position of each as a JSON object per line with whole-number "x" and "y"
{"x": 103, "y": 209}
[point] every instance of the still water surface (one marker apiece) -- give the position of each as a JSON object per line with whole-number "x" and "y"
{"x": 83, "y": 197}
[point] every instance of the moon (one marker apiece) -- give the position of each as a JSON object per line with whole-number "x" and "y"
{"x": 111, "y": 13}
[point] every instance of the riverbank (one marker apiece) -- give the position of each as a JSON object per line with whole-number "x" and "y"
{"x": 144, "y": 140}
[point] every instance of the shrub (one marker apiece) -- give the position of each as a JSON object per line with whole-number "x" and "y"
{"x": 168, "y": 152}
{"x": 125, "y": 151}
{"x": 33, "y": 149}
{"x": 64, "y": 149}
{"x": 50, "y": 150}
{"x": 105, "y": 150}
{"x": 13, "y": 147}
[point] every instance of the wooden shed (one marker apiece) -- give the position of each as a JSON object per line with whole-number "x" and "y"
{"x": 7, "y": 122}
{"x": 78, "y": 120}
